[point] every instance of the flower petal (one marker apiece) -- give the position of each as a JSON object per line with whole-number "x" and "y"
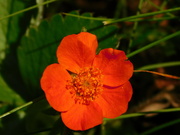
{"x": 114, "y": 65}
{"x": 77, "y": 51}
{"x": 114, "y": 101}
{"x": 82, "y": 117}
{"x": 53, "y": 82}
{"x": 128, "y": 90}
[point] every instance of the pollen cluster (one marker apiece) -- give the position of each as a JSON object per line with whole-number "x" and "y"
{"x": 86, "y": 85}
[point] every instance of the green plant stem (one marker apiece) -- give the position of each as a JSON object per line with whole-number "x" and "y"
{"x": 103, "y": 128}
{"x": 22, "y": 106}
{"x": 154, "y": 19}
{"x": 27, "y": 9}
{"x": 16, "y": 109}
{"x": 130, "y": 18}
{"x": 130, "y": 115}
{"x": 140, "y": 16}
{"x": 160, "y": 8}
{"x": 85, "y": 17}
{"x": 153, "y": 44}
{"x": 154, "y": 66}
{"x": 121, "y": 9}
{"x": 135, "y": 24}
{"x": 161, "y": 127}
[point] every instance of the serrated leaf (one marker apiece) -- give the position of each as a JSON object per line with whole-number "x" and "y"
{"x": 38, "y": 48}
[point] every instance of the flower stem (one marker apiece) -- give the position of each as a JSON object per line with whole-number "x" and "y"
{"x": 103, "y": 131}
{"x": 22, "y": 106}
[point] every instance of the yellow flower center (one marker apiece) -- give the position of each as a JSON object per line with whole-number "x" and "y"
{"x": 86, "y": 85}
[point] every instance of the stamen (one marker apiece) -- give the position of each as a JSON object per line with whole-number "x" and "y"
{"x": 86, "y": 86}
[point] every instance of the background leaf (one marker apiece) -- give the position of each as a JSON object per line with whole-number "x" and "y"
{"x": 9, "y": 27}
{"x": 38, "y": 48}
{"x": 7, "y": 95}
{"x": 9, "y": 99}
{"x": 11, "y": 31}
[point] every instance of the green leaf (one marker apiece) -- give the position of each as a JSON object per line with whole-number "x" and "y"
{"x": 60, "y": 129}
{"x": 37, "y": 120}
{"x": 3, "y": 28}
{"x": 8, "y": 96}
{"x": 10, "y": 27}
{"x": 38, "y": 48}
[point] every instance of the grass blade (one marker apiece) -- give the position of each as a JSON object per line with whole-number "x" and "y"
{"x": 130, "y": 115}
{"x": 158, "y": 65}
{"x": 153, "y": 44}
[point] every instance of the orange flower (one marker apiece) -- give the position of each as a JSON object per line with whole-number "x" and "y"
{"x": 86, "y": 87}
